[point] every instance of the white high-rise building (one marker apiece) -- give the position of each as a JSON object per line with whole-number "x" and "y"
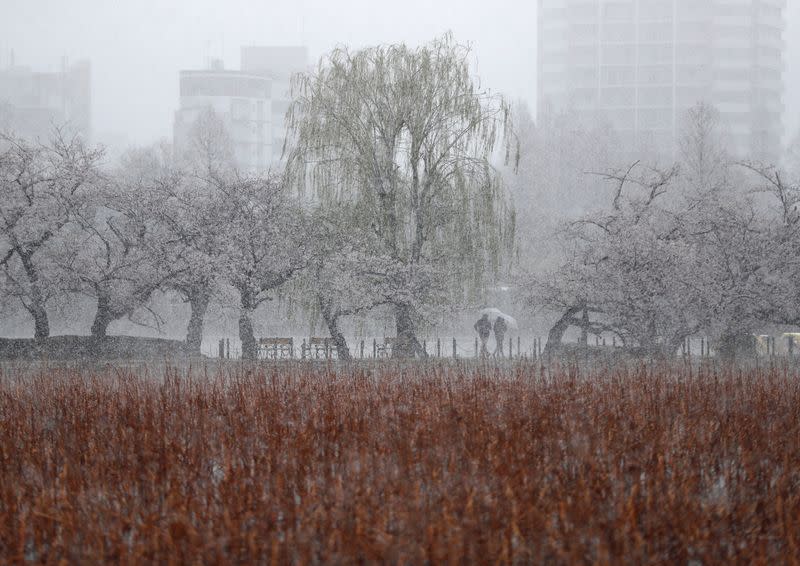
{"x": 240, "y": 100}
{"x": 251, "y": 102}
{"x": 641, "y": 64}
{"x": 279, "y": 64}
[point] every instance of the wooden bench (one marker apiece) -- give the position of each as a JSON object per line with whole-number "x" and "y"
{"x": 276, "y": 348}
{"x": 319, "y": 348}
{"x": 383, "y": 349}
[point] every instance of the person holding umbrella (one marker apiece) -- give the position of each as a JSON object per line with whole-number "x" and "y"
{"x": 483, "y": 327}
{"x": 502, "y": 324}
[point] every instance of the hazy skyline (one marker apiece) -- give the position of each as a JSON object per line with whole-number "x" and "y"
{"x": 137, "y": 48}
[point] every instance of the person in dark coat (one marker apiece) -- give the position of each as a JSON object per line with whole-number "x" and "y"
{"x": 484, "y": 328}
{"x": 500, "y": 328}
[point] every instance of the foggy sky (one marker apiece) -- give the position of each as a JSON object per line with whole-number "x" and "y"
{"x": 137, "y": 47}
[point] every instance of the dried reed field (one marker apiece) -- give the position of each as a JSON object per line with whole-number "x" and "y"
{"x": 407, "y": 464}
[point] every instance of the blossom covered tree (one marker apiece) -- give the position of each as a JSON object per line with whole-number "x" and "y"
{"x": 698, "y": 247}
{"x": 265, "y": 244}
{"x": 345, "y": 277}
{"x": 43, "y": 188}
{"x": 627, "y": 268}
{"x": 116, "y": 252}
{"x": 192, "y": 215}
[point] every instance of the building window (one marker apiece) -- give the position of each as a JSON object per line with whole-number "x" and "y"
{"x": 655, "y": 96}
{"x": 655, "y": 74}
{"x": 617, "y": 96}
{"x": 618, "y": 75}
{"x": 619, "y": 32}
{"x": 240, "y": 109}
{"x": 618, "y": 11}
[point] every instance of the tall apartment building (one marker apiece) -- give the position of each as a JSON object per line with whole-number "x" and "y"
{"x": 32, "y": 103}
{"x": 641, "y": 64}
{"x": 279, "y": 64}
{"x": 240, "y": 100}
{"x": 252, "y": 102}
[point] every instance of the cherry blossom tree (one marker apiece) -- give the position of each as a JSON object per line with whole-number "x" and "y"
{"x": 116, "y": 252}
{"x": 43, "y": 188}
{"x": 348, "y": 277}
{"x": 628, "y": 269}
{"x": 191, "y": 214}
{"x": 264, "y": 246}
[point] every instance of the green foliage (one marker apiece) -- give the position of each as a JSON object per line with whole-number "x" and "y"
{"x": 406, "y": 138}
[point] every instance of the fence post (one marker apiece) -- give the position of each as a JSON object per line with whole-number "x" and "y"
{"x": 222, "y": 348}
{"x": 438, "y": 347}
{"x": 374, "y": 348}
{"x": 790, "y": 345}
{"x": 362, "y": 349}
{"x": 510, "y": 348}
{"x": 228, "y": 345}
{"x": 425, "y": 347}
{"x": 454, "y": 348}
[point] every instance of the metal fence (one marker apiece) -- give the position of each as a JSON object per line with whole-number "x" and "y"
{"x": 378, "y": 348}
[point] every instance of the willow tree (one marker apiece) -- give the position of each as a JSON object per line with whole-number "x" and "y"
{"x": 406, "y": 136}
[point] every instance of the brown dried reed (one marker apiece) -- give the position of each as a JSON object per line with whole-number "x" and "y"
{"x": 409, "y": 464}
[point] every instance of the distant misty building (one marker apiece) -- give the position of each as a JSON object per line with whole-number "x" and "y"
{"x": 240, "y": 100}
{"x": 33, "y": 103}
{"x": 279, "y": 64}
{"x": 251, "y": 102}
{"x": 641, "y": 64}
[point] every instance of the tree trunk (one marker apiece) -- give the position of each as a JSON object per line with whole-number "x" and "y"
{"x": 249, "y": 350}
{"x": 558, "y": 330}
{"x": 736, "y": 344}
{"x": 674, "y": 345}
{"x": 198, "y": 302}
{"x": 246, "y": 335}
{"x": 389, "y": 221}
{"x": 103, "y": 317}
{"x": 651, "y": 346}
{"x": 585, "y": 329}
{"x": 332, "y": 322}
{"x": 41, "y": 322}
{"x": 406, "y": 344}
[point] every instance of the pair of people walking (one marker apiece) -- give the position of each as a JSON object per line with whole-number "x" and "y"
{"x": 484, "y": 328}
